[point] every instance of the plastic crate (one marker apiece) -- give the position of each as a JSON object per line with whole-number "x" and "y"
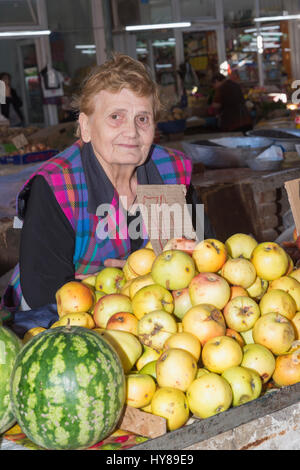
{"x": 31, "y": 157}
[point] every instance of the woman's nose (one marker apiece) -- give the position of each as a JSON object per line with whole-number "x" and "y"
{"x": 130, "y": 128}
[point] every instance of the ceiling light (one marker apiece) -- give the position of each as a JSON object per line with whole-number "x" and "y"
{"x": 276, "y": 18}
{"x": 158, "y": 26}
{"x": 7, "y": 34}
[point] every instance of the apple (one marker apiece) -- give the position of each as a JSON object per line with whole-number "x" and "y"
{"x": 90, "y": 280}
{"x": 125, "y": 289}
{"x": 259, "y": 358}
{"x": 290, "y": 265}
{"x": 209, "y": 288}
{"x": 176, "y": 368}
{"x": 108, "y": 305}
{"x": 148, "y": 355}
{"x": 240, "y": 245}
{"x": 279, "y": 301}
{"x": 138, "y": 283}
{"x": 182, "y": 244}
{"x": 150, "y": 298}
{"x": 295, "y": 274}
{"x": 155, "y": 328}
{"x": 74, "y": 297}
{"x": 185, "y": 341}
{"x": 140, "y": 389}
{"x": 110, "y": 280}
{"x": 270, "y": 261}
{"x": 140, "y": 261}
{"x": 296, "y": 324}
{"x": 209, "y": 255}
{"x": 209, "y": 395}
{"x": 287, "y": 369}
{"x": 31, "y": 333}
{"x": 205, "y": 322}
{"x": 241, "y": 313}
{"x": 201, "y": 371}
{"x": 82, "y": 319}
{"x": 235, "y": 335}
{"x": 171, "y": 404}
{"x": 182, "y": 302}
{"x": 237, "y": 291}
{"x": 275, "y": 332}
{"x": 128, "y": 272}
{"x": 127, "y": 346}
{"x": 248, "y": 336}
{"x": 149, "y": 369}
{"x": 239, "y": 272}
{"x": 173, "y": 269}
{"x": 220, "y": 353}
{"x": 258, "y": 288}
{"x": 245, "y": 383}
{"x": 123, "y": 321}
{"x": 289, "y": 285}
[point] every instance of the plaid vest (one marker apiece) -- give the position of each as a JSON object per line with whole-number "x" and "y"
{"x": 64, "y": 174}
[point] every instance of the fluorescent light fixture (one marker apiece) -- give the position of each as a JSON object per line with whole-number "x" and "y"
{"x": 85, "y": 46}
{"x": 276, "y": 18}
{"x": 163, "y": 66}
{"x": 142, "y": 50}
{"x": 264, "y": 28}
{"x": 144, "y": 27}
{"x": 9, "y": 34}
{"x": 88, "y": 51}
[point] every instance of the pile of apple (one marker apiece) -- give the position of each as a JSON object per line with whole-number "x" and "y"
{"x": 199, "y": 328}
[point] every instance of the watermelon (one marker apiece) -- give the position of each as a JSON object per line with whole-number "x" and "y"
{"x": 67, "y": 388}
{"x": 10, "y": 345}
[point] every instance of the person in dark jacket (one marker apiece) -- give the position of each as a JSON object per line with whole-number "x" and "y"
{"x": 229, "y": 105}
{"x": 12, "y": 108}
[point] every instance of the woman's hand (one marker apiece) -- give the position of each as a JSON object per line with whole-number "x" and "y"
{"x": 114, "y": 263}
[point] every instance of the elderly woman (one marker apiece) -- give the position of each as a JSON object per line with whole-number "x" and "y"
{"x": 118, "y": 109}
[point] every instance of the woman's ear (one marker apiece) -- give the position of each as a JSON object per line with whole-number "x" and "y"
{"x": 84, "y": 127}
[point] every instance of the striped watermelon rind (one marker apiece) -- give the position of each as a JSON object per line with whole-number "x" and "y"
{"x": 10, "y": 345}
{"x": 67, "y": 388}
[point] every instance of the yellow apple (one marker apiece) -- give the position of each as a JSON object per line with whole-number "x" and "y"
{"x": 176, "y": 368}
{"x": 220, "y": 353}
{"x": 209, "y": 288}
{"x": 74, "y": 297}
{"x": 275, "y": 332}
{"x": 173, "y": 269}
{"x": 171, "y": 404}
{"x": 270, "y": 261}
{"x": 240, "y": 245}
{"x": 150, "y": 298}
{"x": 279, "y": 301}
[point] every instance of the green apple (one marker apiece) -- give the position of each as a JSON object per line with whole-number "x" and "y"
{"x": 259, "y": 358}
{"x": 240, "y": 245}
{"x": 110, "y": 280}
{"x": 247, "y": 336}
{"x": 149, "y": 369}
{"x": 173, "y": 269}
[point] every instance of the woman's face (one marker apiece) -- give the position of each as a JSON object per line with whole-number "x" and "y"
{"x": 121, "y": 128}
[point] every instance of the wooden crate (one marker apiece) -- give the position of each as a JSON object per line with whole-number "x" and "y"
{"x": 242, "y": 200}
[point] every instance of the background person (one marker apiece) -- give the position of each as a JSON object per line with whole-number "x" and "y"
{"x": 12, "y": 108}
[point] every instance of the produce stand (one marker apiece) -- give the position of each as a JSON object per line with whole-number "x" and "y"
{"x": 243, "y": 200}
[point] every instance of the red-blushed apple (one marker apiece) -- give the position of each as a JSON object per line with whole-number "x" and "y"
{"x": 123, "y": 321}
{"x": 182, "y": 244}
{"x": 240, "y": 245}
{"x": 182, "y": 302}
{"x": 245, "y": 383}
{"x": 176, "y": 368}
{"x": 220, "y": 353}
{"x": 209, "y": 255}
{"x": 141, "y": 261}
{"x": 74, "y": 297}
{"x": 171, "y": 404}
{"x": 150, "y": 298}
{"x": 237, "y": 291}
{"x": 241, "y": 313}
{"x": 140, "y": 389}
{"x": 275, "y": 332}
{"x": 259, "y": 358}
{"x": 110, "y": 280}
{"x": 173, "y": 269}
{"x": 205, "y": 322}
{"x": 270, "y": 261}
{"x": 287, "y": 369}
{"x": 239, "y": 272}
{"x": 108, "y": 305}
{"x": 209, "y": 395}
{"x": 289, "y": 285}
{"x": 258, "y": 288}
{"x": 235, "y": 335}
{"x": 209, "y": 288}
{"x": 155, "y": 328}
{"x": 279, "y": 301}
{"x": 185, "y": 341}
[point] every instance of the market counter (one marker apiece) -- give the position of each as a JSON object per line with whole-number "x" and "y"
{"x": 243, "y": 200}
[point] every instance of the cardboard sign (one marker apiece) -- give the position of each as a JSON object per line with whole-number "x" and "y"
{"x": 19, "y": 141}
{"x": 293, "y": 191}
{"x": 165, "y": 213}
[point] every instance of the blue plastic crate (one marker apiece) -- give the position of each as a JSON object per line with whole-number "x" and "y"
{"x": 31, "y": 157}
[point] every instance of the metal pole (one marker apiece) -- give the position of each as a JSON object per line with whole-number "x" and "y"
{"x": 260, "y": 63}
{"x": 99, "y": 31}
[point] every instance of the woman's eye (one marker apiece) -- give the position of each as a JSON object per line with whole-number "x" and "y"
{"x": 115, "y": 117}
{"x": 143, "y": 120}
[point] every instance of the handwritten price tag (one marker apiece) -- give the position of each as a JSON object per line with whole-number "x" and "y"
{"x": 19, "y": 141}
